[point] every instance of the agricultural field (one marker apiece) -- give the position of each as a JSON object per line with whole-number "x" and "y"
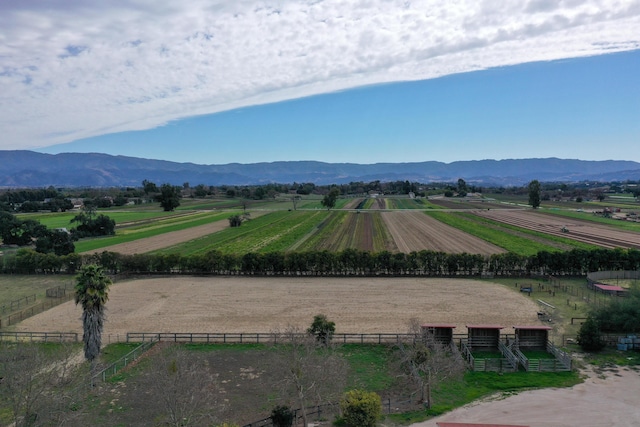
{"x": 146, "y": 228}
{"x": 415, "y": 231}
{"x": 510, "y": 240}
{"x": 349, "y": 230}
{"x": 395, "y": 224}
{"x": 582, "y": 231}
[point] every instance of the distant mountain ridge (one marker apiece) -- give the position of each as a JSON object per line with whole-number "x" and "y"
{"x": 21, "y": 168}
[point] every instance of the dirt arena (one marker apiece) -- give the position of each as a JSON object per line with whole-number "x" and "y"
{"x": 605, "y": 399}
{"x": 238, "y": 304}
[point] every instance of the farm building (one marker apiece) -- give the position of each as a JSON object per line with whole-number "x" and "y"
{"x": 612, "y": 290}
{"x": 530, "y": 341}
{"x": 444, "y": 424}
{"x": 484, "y": 350}
{"x": 440, "y": 333}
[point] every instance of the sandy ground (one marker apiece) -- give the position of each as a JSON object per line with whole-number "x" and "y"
{"x": 609, "y": 400}
{"x": 235, "y": 304}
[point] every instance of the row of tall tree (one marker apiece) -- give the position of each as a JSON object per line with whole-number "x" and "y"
{"x": 350, "y": 262}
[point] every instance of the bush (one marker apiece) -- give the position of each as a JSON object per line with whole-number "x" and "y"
{"x": 282, "y": 416}
{"x": 589, "y": 338}
{"x": 361, "y": 408}
{"x": 322, "y": 328}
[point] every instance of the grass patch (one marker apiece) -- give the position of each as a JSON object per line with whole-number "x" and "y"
{"x": 369, "y": 366}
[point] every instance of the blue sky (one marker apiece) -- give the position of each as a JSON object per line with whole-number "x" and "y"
{"x": 214, "y": 82}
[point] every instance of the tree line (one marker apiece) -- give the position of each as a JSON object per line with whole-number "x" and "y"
{"x": 350, "y": 262}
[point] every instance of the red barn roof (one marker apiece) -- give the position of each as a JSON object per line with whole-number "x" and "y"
{"x": 477, "y": 425}
{"x": 610, "y": 288}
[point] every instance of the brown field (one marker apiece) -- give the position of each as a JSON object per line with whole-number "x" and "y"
{"x": 583, "y": 231}
{"x": 236, "y": 304}
{"x": 415, "y": 231}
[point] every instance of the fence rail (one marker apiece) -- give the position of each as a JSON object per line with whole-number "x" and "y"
{"x": 16, "y": 304}
{"x": 39, "y": 336}
{"x": 261, "y": 337}
{"x": 14, "y": 318}
{"x": 123, "y": 362}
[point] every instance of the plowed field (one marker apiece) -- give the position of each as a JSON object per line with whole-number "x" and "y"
{"x": 236, "y": 304}
{"x": 582, "y": 231}
{"x": 415, "y": 231}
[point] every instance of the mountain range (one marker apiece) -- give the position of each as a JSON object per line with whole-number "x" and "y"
{"x": 21, "y": 168}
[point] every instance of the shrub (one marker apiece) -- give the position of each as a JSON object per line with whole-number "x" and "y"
{"x": 282, "y": 416}
{"x": 361, "y": 408}
{"x": 589, "y": 338}
{"x": 322, "y": 328}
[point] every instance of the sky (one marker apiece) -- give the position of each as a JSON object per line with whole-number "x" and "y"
{"x": 360, "y": 81}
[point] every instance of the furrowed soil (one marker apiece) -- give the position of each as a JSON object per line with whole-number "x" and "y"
{"x": 415, "y": 231}
{"x": 236, "y": 304}
{"x": 580, "y": 230}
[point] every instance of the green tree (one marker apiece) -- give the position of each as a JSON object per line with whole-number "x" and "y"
{"x": 322, "y": 328}
{"x": 149, "y": 187}
{"x": 92, "y": 292}
{"x": 361, "y": 408}
{"x": 169, "y": 197}
{"x": 589, "y": 337}
{"x": 534, "y": 194}
{"x": 55, "y": 241}
{"x": 462, "y": 187}
{"x": 329, "y": 200}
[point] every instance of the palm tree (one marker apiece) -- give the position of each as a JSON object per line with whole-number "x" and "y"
{"x": 92, "y": 287}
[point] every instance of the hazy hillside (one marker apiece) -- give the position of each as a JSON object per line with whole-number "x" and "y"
{"x": 31, "y": 169}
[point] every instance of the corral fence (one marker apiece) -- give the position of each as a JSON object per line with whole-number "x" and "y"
{"x": 19, "y": 316}
{"x": 39, "y": 336}
{"x": 56, "y": 292}
{"x": 123, "y": 362}
{"x": 263, "y": 337}
{"x": 16, "y": 304}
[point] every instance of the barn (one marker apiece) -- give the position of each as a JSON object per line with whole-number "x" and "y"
{"x": 536, "y": 353}
{"x": 439, "y": 333}
{"x": 484, "y": 350}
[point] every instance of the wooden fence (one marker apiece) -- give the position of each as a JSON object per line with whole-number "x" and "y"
{"x": 122, "y": 363}
{"x": 260, "y": 337}
{"x": 16, "y": 304}
{"x": 39, "y": 336}
{"x": 19, "y": 316}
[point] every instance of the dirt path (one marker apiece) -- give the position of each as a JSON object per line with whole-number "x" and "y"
{"x": 609, "y": 399}
{"x": 367, "y": 305}
{"x": 415, "y": 231}
{"x": 164, "y": 240}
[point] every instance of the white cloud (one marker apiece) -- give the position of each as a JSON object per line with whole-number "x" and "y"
{"x": 69, "y": 70}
